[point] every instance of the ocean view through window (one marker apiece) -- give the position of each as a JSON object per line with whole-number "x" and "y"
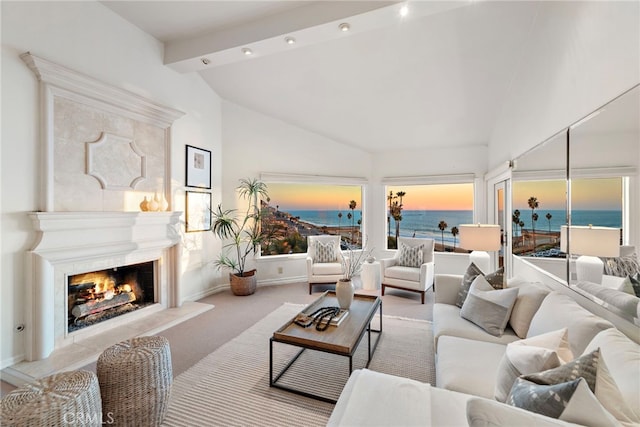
{"x": 539, "y": 211}
{"x": 298, "y": 210}
{"x": 430, "y": 211}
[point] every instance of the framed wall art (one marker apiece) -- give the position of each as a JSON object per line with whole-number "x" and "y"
{"x": 198, "y": 212}
{"x": 198, "y": 167}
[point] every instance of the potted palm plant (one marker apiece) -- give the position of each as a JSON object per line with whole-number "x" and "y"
{"x": 244, "y": 234}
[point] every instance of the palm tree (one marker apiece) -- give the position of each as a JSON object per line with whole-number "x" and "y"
{"x": 442, "y": 226}
{"x": 533, "y": 205}
{"x": 339, "y": 219}
{"x": 521, "y": 224}
{"x": 349, "y": 217}
{"x": 352, "y": 206}
{"x": 515, "y": 218}
{"x": 549, "y": 216}
{"x": 454, "y": 231}
{"x": 390, "y": 198}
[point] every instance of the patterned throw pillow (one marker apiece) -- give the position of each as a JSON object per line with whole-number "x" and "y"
{"x": 621, "y": 266}
{"x": 325, "y": 252}
{"x": 472, "y": 272}
{"x": 635, "y": 283}
{"x": 591, "y": 369}
{"x": 496, "y": 279}
{"x": 410, "y": 256}
{"x": 570, "y": 401}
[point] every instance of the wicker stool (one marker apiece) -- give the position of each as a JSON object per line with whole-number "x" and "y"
{"x": 67, "y": 398}
{"x": 135, "y": 381}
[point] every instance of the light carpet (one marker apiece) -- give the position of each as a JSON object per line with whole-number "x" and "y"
{"x": 230, "y": 387}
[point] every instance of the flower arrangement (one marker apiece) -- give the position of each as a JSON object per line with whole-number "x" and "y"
{"x": 352, "y": 262}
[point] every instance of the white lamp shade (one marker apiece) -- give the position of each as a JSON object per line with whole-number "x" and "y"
{"x": 480, "y": 237}
{"x": 591, "y": 241}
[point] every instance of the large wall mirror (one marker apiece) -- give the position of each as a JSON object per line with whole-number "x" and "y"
{"x": 585, "y": 178}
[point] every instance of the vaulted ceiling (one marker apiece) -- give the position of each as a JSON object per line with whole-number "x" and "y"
{"x": 436, "y": 77}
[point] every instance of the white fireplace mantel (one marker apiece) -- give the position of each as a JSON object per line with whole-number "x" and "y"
{"x": 76, "y": 242}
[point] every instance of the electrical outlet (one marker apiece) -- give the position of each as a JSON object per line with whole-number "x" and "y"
{"x": 280, "y": 270}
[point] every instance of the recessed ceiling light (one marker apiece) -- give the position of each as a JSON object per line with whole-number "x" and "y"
{"x": 290, "y": 40}
{"x": 247, "y": 51}
{"x": 205, "y": 61}
{"x": 404, "y": 10}
{"x": 344, "y": 27}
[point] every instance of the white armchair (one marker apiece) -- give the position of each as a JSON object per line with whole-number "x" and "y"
{"x": 412, "y": 267}
{"x": 324, "y": 260}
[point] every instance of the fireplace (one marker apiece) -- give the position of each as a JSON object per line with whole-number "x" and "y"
{"x": 101, "y": 295}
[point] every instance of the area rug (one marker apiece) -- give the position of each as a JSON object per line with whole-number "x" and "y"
{"x": 230, "y": 387}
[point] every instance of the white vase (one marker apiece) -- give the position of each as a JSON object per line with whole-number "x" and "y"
{"x": 344, "y": 292}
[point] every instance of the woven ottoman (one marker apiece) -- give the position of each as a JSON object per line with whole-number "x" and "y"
{"x": 64, "y": 399}
{"x": 135, "y": 381}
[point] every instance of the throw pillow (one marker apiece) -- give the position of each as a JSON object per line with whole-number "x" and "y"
{"x": 325, "y": 252}
{"x": 472, "y": 272}
{"x": 489, "y": 413}
{"x": 635, "y": 284}
{"x": 531, "y": 355}
{"x": 590, "y": 367}
{"x": 487, "y": 307}
{"x": 621, "y": 266}
{"x": 570, "y": 401}
{"x": 496, "y": 279}
{"x": 410, "y": 256}
{"x": 530, "y": 297}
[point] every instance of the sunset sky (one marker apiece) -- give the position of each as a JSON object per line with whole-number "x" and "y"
{"x": 444, "y": 197}
{"x": 593, "y": 194}
{"x": 586, "y": 194}
{"x": 314, "y": 196}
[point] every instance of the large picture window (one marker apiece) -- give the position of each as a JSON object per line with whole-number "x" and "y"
{"x": 297, "y": 210}
{"x": 428, "y": 210}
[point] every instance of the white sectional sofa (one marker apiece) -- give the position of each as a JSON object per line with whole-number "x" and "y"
{"x": 469, "y": 362}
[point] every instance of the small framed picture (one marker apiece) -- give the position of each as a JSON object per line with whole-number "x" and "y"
{"x": 198, "y": 212}
{"x": 198, "y": 167}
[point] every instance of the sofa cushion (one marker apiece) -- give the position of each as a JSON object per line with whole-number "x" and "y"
{"x": 561, "y": 311}
{"x": 570, "y": 401}
{"x": 472, "y": 272}
{"x": 468, "y": 366}
{"x": 410, "y": 256}
{"x": 488, "y": 413}
{"x": 326, "y": 268}
{"x": 621, "y": 357}
{"x": 383, "y": 399}
{"x": 447, "y": 321}
{"x": 621, "y": 266}
{"x": 530, "y": 296}
{"x": 531, "y": 355}
{"x": 487, "y": 307}
{"x": 403, "y": 273}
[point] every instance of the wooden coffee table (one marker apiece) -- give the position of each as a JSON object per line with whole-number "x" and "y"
{"x": 342, "y": 340}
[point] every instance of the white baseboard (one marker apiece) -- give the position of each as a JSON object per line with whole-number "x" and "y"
{"x": 287, "y": 281}
{"x": 11, "y": 361}
{"x": 202, "y": 294}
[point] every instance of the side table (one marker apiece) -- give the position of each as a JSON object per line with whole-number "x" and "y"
{"x": 370, "y": 275}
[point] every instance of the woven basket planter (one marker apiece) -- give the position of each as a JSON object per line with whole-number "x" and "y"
{"x": 67, "y": 398}
{"x": 135, "y": 381}
{"x": 243, "y": 285}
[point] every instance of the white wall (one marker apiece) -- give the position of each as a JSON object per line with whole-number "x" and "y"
{"x": 87, "y": 37}
{"x": 579, "y": 56}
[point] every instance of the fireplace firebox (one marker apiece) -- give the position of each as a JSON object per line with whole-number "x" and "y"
{"x": 97, "y": 296}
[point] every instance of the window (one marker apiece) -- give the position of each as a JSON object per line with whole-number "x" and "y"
{"x": 297, "y": 210}
{"x": 428, "y": 210}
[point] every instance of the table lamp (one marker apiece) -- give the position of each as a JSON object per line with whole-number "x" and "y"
{"x": 590, "y": 243}
{"x": 480, "y": 238}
